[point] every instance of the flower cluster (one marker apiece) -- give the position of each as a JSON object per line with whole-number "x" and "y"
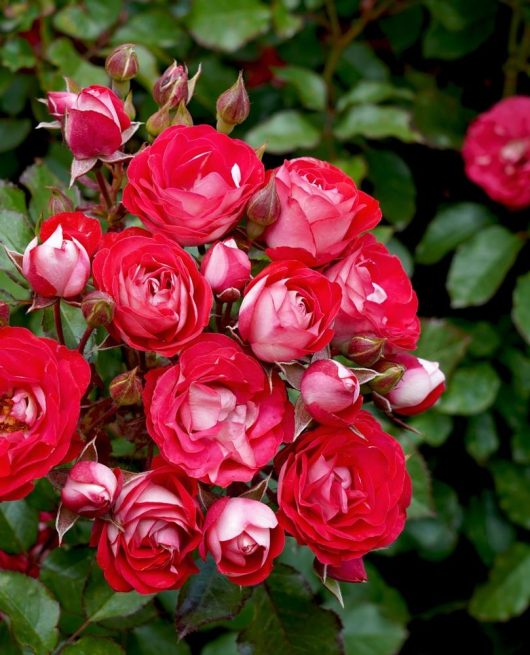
{"x": 260, "y": 323}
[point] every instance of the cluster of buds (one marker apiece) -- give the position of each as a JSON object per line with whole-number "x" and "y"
{"x": 172, "y": 92}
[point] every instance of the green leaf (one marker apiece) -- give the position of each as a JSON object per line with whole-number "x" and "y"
{"x": 442, "y": 43}
{"x": 441, "y": 118}
{"x": 37, "y": 178}
{"x": 284, "y": 132}
{"x": 94, "y": 646}
{"x": 102, "y": 602}
{"x": 88, "y": 20}
{"x": 521, "y": 445}
{"x": 393, "y": 186}
{"x": 13, "y": 131}
{"x": 9, "y": 645}
{"x": 156, "y": 638}
{"x": 18, "y": 526}
{"x": 360, "y": 61}
{"x": 481, "y": 437}
{"x": 404, "y": 28}
{"x": 372, "y": 91}
{"x": 521, "y": 306}
{"x": 434, "y": 428}
{"x": 15, "y": 234}
{"x": 74, "y": 325}
{"x": 376, "y": 122}
{"x": 487, "y": 528}
{"x": 32, "y": 612}
{"x": 12, "y": 198}
{"x": 442, "y": 342}
{"x": 227, "y": 24}
{"x": 309, "y": 86}
{"x": 356, "y": 167}
{"x": 62, "y": 54}
{"x": 224, "y": 645}
{"x": 422, "y": 502}
{"x": 480, "y": 265}
{"x": 512, "y": 483}
{"x": 507, "y": 592}
{"x": 155, "y": 28}
{"x": 471, "y": 390}
{"x": 451, "y": 226}
{"x": 367, "y": 631}
{"x": 287, "y": 621}
{"x": 17, "y": 53}
{"x": 208, "y": 597}
{"x": 64, "y": 572}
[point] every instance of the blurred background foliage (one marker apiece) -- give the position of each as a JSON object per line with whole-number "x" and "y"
{"x": 385, "y": 90}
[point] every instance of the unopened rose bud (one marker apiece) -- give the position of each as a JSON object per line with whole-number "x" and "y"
{"x": 233, "y": 106}
{"x": 4, "y": 314}
{"x": 158, "y": 122}
{"x": 126, "y": 388}
{"x": 172, "y": 87}
{"x": 264, "y": 206}
{"x": 331, "y": 393}
{"x": 59, "y": 101}
{"x": 348, "y": 571}
{"x": 98, "y": 309}
{"x": 90, "y": 489}
{"x": 59, "y": 202}
{"x": 58, "y": 267}
{"x": 390, "y": 374}
{"x": 366, "y": 351}
{"x": 182, "y": 116}
{"x": 226, "y": 267}
{"x": 420, "y": 387}
{"x": 122, "y": 63}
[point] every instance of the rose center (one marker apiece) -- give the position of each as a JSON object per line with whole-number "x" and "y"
{"x": 246, "y": 544}
{"x": 18, "y": 411}
{"x": 515, "y": 152}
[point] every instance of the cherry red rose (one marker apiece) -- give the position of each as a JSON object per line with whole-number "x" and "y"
{"x": 156, "y": 525}
{"x": 192, "y": 183}
{"x": 162, "y": 301}
{"x": 344, "y": 492}
{"x": 377, "y": 297}
{"x": 216, "y": 414}
{"x": 75, "y": 225}
{"x": 496, "y": 152}
{"x": 41, "y": 386}
{"x": 288, "y": 312}
{"x": 244, "y": 537}
{"x": 322, "y": 212}
{"x": 420, "y": 387}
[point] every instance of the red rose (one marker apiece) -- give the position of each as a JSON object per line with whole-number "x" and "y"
{"x": 75, "y": 225}
{"x": 344, "y": 492}
{"x": 41, "y": 386}
{"x": 162, "y": 301}
{"x": 192, "y": 184}
{"x": 377, "y": 297}
{"x": 420, "y": 387}
{"x": 322, "y": 212}
{"x": 216, "y": 414}
{"x": 496, "y": 152}
{"x": 155, "y": 527}
{"x": 243, "y": 537}
{"x": 288, "y": 312}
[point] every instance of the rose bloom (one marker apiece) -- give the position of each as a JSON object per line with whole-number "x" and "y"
{"x": 58, "y": 267}
{"x": 192, "y": 183}
{"x": 75, "y": 225}
{"x": 377, "y": 297}
{"x": 496, "y": 152}
{"x": 162, "y": 301}
{"x": 216, "y": 413}
{"x": 225, "y": 266}
{"x": 94, "y": 121}
{"x": 244, "y": 537}
{"x": 420, "y": 387}
{"x": 331, "y": 392}
{"x": 41, "y": 386}
{"x": 90, "y": 489}
{"x": 156, "y": 525}
{"x": 344, "y": 492}
{"x": 288, "y": 312}
{"x": 322, "y": 212}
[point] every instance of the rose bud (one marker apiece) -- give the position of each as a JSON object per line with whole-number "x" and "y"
{"x": 365, "y": 351}
{"x": 4, "y": 314}
{"x": 126, "y": 388}
{"x": 74, "y": 225}
{"x": 243, "y": 537}
{"x": 182, "y": 116}
{"x": 59, "y": 202}
{"x": 122, "y": 63}
{"x": 390, "y": 373}
{"x": 331, "y": 392}
{"x": 98, "y": 309}
{"x": 90, "y": 489}
{"x": 351, "y": 570}
{"x": 233, "y": 106}
{"x": 263, "y": 209}
{"x": 58, "y": 267}
{"x": 172, "y": 87}
{"x": 158, "y": 122}
{"x": 420, "y": 387}
{"x": 225, "y": 267}
{"x": 59, "y": 102}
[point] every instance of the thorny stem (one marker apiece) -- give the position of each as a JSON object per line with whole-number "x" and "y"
{"x": 58, "y": 321}
{"x": 84, "y": 339}
{"x": 104, "y": 189}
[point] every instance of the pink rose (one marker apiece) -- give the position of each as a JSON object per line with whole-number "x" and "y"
{"x": 243, "y": 537}
{"x": 226, "y": 267}
{"x": 496, "y": 152}
{"x": 377, "y": 297}
{"x": 90, "y": 489}
{"x": 322, "y": 212}
{"x": 420, "y": 387}
{"x": 58, "y": 267}
{"x": 59, "y": 102}
{"x": 288, "y": 312}
{"x": 74, "y": 225}
{"x": 192, "y": 183}
{"x": 215, "y": 413}
{"x": 331, "y": 392}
